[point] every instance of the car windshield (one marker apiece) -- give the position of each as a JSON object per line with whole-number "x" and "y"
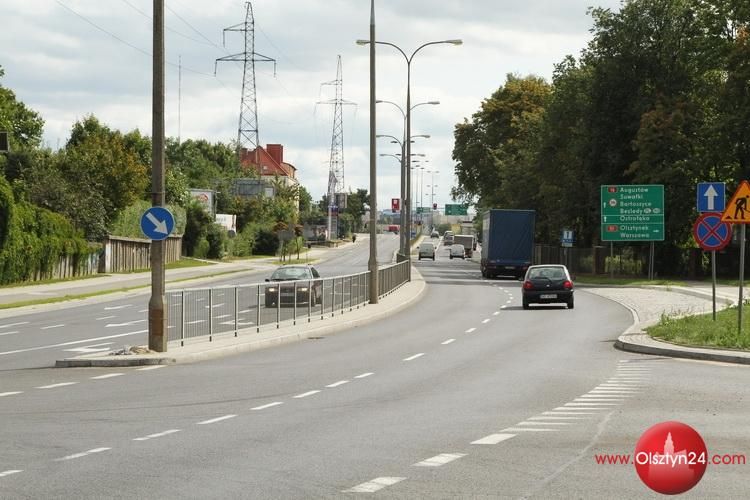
{"x": 552, "y": 273}
{"x": 290, "y": 273}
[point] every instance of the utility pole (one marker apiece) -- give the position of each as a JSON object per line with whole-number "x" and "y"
{"x": 247, "y": 132}
{"x": 157, "y": 316}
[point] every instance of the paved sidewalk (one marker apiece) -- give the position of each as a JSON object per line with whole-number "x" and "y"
{"x": 647, "y": 304}
{"x": 250, "y": 340}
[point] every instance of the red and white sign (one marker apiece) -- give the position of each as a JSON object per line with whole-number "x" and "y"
{"x": 395, "y": 204}
{"x": 710, "y": 233}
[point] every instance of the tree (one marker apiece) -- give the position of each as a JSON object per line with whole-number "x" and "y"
{"x": 25, "y": 126}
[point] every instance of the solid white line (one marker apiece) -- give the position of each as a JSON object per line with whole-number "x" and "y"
{"x": 157, "y": 435}
{"x": 449, "y": 341}
{"x": 557, "y": 418}
{"x": 2, "y": 394}
{"x": 105, "y": 317}
{"x": 528, "y": 429}
{"x": 127, "y": 323}
{"x": 52, "y": 326}
{"x": 410, "y": 358}
{"x": 9, "y": 472}
{"x": 269, "y": 405}
{"x": 470, "y": 330}
{"x": 72, "y": 343}
{"x": 544, "y": 423}
{"x": 113, "y": 308}
{"x": 82, "y": 454}
{"x": 108, "y": 375}
{"x": 152, "y": 367}
{"x": 376, "y": 484}
{"x": 52, "y": 386}
{"x": 563, "y": 408}
{"x": 493, "y": 439}
{"x": 336, "y": 384}
{"x": 601, "y": 399}
{"x": 363, "y": 375}
{"x": 8, "y": 333}
{"x": 305, "y": 394}
{"x": 14, "y": 324}
{"x": 217, "y": 419}
{"x": 485, "y": 321}
{"x": 439, "y": 460}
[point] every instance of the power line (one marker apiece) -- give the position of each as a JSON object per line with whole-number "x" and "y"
{"x": 126, "y": 2}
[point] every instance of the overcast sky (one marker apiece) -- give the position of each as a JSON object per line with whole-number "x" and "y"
{"x": 60, "y": 64}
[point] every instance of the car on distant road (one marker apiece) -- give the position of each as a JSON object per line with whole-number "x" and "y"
{"x": 547, "y": 284}
{"x": 448, "y": 238}
{"x": 426, "y": 250}
{"x": 457, "y": 251}
{"x": 309, "y": 290}
{"x": 434, "y": 234}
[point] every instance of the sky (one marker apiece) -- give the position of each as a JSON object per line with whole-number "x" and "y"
{"x": 70, "y": 58}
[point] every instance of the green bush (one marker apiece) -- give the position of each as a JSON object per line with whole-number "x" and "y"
{"x": 196, "y": 227}
{"x": 216, "y": 236}
{"x": 243, "y": 244}
{"x": 33, "y": 240}
{"x": 266, "y": 242}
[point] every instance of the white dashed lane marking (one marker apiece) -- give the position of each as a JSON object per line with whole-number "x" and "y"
{"x": 157, "y": 435}
{"x": 114, "y": 308}
{"x": 217, "y": 419}
{"x": 10, "y": 472}
{"x": 376, "y": 484}
{"x": 52, "y": 326}
{"x": 83, "y": 454}
{"x": 127, "y": 323}
{"x": 269, "y": 405}
{"x": 105, "y": 317}
{"x": 3, "y": 334}
{"x": 449, "y": 341}
{"x": 53, "y": 386}
{"x": 411, "y": 358}
{"x": 147, "y": 368}
{"x": 364, "y": 375}
{"x": 544, "y": 423}
{"x": 14, "y": 324}
{"x": 528, "y": 429}
{"x": 470, "y": 330}
{"x": 74, "y": 342}
{"x": 439, "y": 460}
{"x": 336, "y": 384}
{"x": 493, "y": 439}
{"x": 305, "y": 394}
{"x": 557, "y": 418}
{"x": 484, "y": 321}
{"x": 108, "y": 375}
{"x": 11, "y": 393}
{"x": 566, "y": 412}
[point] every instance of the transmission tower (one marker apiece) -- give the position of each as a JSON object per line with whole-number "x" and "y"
{"x": 247, "y": 132}
{"x": 336, "y": 163}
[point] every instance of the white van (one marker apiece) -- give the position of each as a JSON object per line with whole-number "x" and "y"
{"x": 426, "y": 250}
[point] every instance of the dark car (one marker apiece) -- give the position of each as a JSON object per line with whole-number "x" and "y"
{"x": 547, "y": 284}
{"x": 308, "y": 289}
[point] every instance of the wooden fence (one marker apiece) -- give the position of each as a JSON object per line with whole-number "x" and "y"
{"x": 133, "y": 254}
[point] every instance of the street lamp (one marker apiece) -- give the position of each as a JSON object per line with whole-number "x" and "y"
{"x": 405, "y": 201}
{"x": 408, "y": 105}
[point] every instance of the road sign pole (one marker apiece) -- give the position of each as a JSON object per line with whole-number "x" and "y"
{"x": 611, "y": 260}
{"x": 713, "y": 281}
{"x": 742, "y": 279}
{"x": 157, "y": 317}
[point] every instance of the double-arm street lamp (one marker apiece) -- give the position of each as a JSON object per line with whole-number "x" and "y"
{"x": 408, "y": 108}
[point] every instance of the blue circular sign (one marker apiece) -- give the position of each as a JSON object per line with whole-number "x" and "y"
{"x": 157, "y": 223}
{"x": 710, "y": 232}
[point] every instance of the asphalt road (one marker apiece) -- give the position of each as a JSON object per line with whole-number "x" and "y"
{"x": 464, "y": 395}
{"x": 37, "y": 339}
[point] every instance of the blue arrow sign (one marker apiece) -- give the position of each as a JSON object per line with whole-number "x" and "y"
{"x": 157, "y": 223}
{"x": 711, "y": 197}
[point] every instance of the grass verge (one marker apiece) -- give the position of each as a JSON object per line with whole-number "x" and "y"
{"x": 602, "y": 280}
{"x": 702, "y": 331}
{"x": 52, "y": 281}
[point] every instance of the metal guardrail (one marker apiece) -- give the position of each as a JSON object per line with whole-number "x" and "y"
{"x": 200, "y": 313}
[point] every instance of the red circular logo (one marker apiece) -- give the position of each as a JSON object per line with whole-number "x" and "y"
{"x": 670, "y": 458}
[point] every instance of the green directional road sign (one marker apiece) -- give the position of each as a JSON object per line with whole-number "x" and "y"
{"x": 632, "y": 212}
{"x": 455, "y": 209}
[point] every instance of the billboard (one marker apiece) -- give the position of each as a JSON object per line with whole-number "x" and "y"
{"x": 205, "y": 197}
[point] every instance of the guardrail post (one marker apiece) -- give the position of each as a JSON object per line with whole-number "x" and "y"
{"x": 182, "y": 318}
{"x": 351, "y": 291}
{"x": 210, "y": 314}
{"x": 310, "y": 300}
{"x": 294, "y": 314}
{"x": 278, "y": 305}
{"x": 323, "y": 299}
{"x": 257, "y": 314}
{"x": 236, "y": 309}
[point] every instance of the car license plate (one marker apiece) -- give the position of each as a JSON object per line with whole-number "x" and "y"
{"x": 548, "y": 296}
{"x": 509, "y": 267}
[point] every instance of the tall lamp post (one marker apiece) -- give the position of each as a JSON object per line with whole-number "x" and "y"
{"x": 408, "y": 104}
{"x": 372, "y": 263}
{"x": 405, "y": 197}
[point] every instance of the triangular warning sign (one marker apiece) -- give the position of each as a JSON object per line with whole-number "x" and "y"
{"x": 738, "y": 208}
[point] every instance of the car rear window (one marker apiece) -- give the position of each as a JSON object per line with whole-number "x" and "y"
{"x": 290, "y": 273}
{"x": 553, "y": 273}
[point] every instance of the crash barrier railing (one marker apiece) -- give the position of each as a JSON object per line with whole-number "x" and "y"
{"x": 207, "y": 313}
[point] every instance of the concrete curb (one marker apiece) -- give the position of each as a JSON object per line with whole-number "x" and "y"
{"x": 237, "y": 345}
{"x": 634, "y": 339}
